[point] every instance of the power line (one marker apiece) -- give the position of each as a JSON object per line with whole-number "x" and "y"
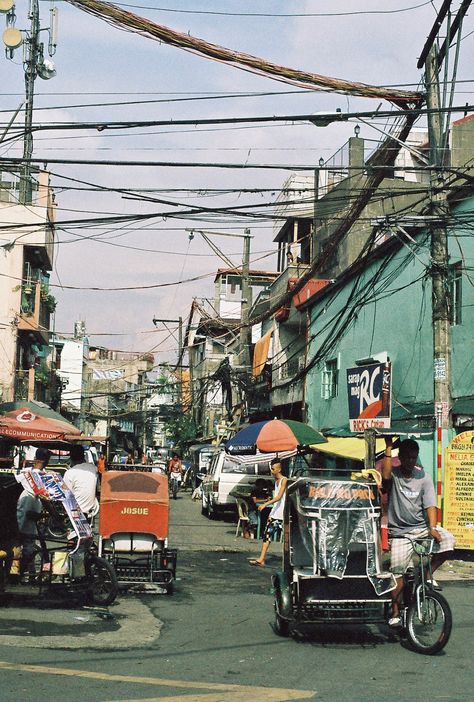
{"x": 327, "y": 116}
{"x": 276, "y": 15}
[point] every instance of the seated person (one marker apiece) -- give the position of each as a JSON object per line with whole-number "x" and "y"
{"x": 81, "y": 478}
{"x": 28, "y": 509}
{"x": 261, "y": 492}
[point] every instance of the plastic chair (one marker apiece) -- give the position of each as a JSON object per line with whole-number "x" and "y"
{"x": 243, "y": 512}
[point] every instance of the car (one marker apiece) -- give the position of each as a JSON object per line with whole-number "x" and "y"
{"x": 224, "y": 476}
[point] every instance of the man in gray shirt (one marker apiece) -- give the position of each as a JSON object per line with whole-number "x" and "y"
{"x": 412, "y": 512}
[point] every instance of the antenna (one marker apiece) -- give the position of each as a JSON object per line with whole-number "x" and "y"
{"x": 53, "y": 30}
{"x": 6, "y": 6}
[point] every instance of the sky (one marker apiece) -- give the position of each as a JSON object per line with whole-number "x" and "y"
{"x": 102, "y": 71}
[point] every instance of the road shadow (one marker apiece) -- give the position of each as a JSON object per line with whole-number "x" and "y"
{"x": 344, "y": 636}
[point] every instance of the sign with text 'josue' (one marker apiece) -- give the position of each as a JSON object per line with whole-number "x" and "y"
{"x": 369, "y": 390}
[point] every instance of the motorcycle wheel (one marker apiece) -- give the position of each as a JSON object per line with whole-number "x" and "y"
{"x": 103, "y": 586}
{"x": 282, "y": 626}
{"x": 431, "y": 633}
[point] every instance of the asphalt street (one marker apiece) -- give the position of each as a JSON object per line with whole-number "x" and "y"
{"x": 213, "y": 639}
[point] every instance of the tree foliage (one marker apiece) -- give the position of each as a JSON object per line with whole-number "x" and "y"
{"x": 181, "y": 430}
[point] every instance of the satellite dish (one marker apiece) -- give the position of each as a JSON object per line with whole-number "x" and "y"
{"x": 6, "y": 5}
{"x": 46, "y": 70}
{"x": 12, "y": 38}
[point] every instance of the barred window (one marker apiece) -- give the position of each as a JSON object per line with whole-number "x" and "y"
{"x": 330, "y": 379}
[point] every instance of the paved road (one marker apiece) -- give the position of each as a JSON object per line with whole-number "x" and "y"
{"x": 213, "y": 641}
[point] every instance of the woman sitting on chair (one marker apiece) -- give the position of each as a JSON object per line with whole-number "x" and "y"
{"x": 260, "y": 494}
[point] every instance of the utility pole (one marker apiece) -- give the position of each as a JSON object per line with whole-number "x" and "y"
{"x": 179, "y": 364}
{"x": 34, "y": 65}
{"x": 439, "y": 250}
{"x": 32, "y": 53}
{"x": 245, "y": 336}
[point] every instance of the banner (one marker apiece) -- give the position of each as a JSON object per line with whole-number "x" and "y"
{"x": 110, "y": 374}
{"x": 369, "y": 390}
{"x": 51, "y": 486}
{"x": 458, "y": 508}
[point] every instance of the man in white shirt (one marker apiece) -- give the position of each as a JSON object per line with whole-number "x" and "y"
{"x": 81, "y": 478}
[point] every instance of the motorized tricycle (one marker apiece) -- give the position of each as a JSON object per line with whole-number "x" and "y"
{"x": 332, "y": 565}
{"x": 133, "y": 528}
{"x": 63, "y": 556}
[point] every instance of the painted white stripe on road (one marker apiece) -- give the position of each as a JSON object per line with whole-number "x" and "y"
{"x": 227, "y": 692}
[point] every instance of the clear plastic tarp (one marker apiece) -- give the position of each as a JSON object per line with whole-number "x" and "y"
{"x": 333, "y": 516}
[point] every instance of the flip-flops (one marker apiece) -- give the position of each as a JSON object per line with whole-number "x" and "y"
{"x": 257, "y": 563}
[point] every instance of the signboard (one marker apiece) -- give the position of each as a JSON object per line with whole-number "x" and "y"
{"x": 369, "y": 391}
{"x": 458, "y": 512}
{"x": 338, "y": 495}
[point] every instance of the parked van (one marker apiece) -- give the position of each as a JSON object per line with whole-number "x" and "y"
{"x": 200, "y": 456}
{"x": 223, "y": 476}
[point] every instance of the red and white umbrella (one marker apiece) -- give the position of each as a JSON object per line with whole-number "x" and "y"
{"x": 33, "y": 421}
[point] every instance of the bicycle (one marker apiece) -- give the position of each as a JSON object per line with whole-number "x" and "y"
{"x": 425, "y": 614}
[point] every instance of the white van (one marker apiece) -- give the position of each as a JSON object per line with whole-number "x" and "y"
{"x": 223, "y": 476}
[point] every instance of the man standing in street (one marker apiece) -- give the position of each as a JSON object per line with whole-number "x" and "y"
{"x": 274, "y": 524}
{"x": 412, "y": 512}
{"x": 81, "y": 478}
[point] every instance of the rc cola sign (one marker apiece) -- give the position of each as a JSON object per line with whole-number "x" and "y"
{"x": 369, "y": 393}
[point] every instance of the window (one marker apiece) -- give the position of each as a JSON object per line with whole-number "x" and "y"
{"x": 241, "y": 468}
{"x": 455, "y": 293}
{"x": 329, "y": 379}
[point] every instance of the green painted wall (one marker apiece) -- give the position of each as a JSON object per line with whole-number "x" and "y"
{"x": 387, "y": 307}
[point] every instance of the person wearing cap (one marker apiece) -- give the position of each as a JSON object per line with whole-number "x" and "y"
{"x": 81, "y": 478}
{"x": 28, "y": 509}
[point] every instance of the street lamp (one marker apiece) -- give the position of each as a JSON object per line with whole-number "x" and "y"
{"x": 323, "y": 119}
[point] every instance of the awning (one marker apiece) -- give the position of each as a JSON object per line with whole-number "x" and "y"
{"x": 260, "y": 353}
{"x": 353, "y": 447}
{"x": 464, "y": 406}
{"x": 30, "y": 421}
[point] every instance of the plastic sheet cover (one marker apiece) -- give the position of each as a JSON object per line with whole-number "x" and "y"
{"x": 332, "y": 515}
{"x": 51, "y": 486}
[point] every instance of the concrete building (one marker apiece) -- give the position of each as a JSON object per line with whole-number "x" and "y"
{"x": 307, "y": 212}
{"x": 116, "y": 389}
{"x": 70, "y": 355}
{"x": 380, "y": 308}
{"x": 217, "y": 378}
{"x": 26, "y": 302}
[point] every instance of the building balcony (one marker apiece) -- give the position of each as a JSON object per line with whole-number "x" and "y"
{"x": 38, "y": 217}
{"x": 34, "y": 384}
{"x": 290, "y": 367}
{"x": 36, "y": 307}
